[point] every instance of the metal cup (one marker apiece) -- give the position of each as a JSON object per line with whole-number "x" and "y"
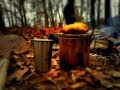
{"x": 42, "y": 54}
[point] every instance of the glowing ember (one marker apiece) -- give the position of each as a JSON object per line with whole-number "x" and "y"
{"x": 75, "y": 28}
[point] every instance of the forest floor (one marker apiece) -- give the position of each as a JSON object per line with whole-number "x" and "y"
{"x": 102, "y": 73}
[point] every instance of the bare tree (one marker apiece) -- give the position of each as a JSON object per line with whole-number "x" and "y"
{"x": 7, "y": 13}
{"x": 45, "y": 13}
{"x": 107, "y": 11}
{"x": 2, "y": 24}
{"x": 82, "y": 5}
{"x": 51, "y": 12}
{"x": 57, "y": 14}
{"x": 98, "y": 12}
{"x": 20, "y": 5}
{"x": 15, "y": 18}
{"x": 119, "y": 8}
{"x": 24, "y": 11}
{"x": 11, "y": 16}
{"x": 92, "y": 14}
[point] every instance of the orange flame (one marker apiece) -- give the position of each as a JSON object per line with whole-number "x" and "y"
{"x": 77, "y": 27}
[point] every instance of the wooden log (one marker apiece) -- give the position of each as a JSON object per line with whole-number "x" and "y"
{"x": 8, "y": 44}
{"x": 3, "y": 72}
{"x": 12, "y": 43}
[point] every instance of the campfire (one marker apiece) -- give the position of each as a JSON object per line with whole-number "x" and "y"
{"x": 74, "y": 49}
{"x": 75, "y": 28}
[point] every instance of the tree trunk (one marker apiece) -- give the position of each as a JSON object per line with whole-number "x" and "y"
{"x": 98, "y": 12}
{"x": 57, "y": 12}
{"x": 107, "y": 11}
{"x": 119, "y": 8}
{"x": 88, "y": 10}
{"x": 46, "y": 14}
{"x": 24, "y": 16}
{"x": 16, "y": 21}
{"x": 82, "y": 5}
{"x": 51, "y": 12}
{"x": 2, "y": 24}
{"x": 22, "y": 12}
{"x": 7, "y": 14}
{"x": 12, "y": 21}
{"x": 92, "y": 14}
{"x": 22, "y": 22}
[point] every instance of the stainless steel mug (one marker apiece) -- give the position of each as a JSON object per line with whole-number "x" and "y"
{"x": 42, "y": 54}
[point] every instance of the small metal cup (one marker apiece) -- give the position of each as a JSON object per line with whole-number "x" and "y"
{"x": 42, "y": 54}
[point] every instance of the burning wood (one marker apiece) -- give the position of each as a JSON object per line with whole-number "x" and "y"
{"x": 76, "y": 28}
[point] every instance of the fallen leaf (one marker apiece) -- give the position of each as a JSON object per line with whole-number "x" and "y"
{"x": 113, "y": 73}
{"x": 75, "y": 74}
{"x": 107, "y": 83}
{"x": 61, "y": 84}
{"x": 97, "y": 74}
{"x": 116, "y": 74}
{"x": 88, "y": 79}
{"x": 18, "y": 74}
{"x": 25, "y": 78}
{"x": 78, "y": 84}
{"x": 117, "y": 83}
{"x": 98, "y": 68}
{"x": 52, "y": 73}
{"x": 45, "y": 85}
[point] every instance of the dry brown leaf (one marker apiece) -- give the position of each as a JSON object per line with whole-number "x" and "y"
{"x": 31, "y": 68}
{"x": 54, "y": 62}
{"x": 116, "y": 83}
{"x": 55, "y": 47}
{"x": 78, "y": 84}
{"x": 21, "y": 64}
{"x": 45, "y": 85}
{"x": 26, "y": 77}
{"x": 107, "y": 83}
{"x": 27, "y": 61}
{"x": 52, "y": 73}
{"x": 97, "y": 74}
{"x": 88, "y": 79}
{"x": 62, "y": 75}
{"x": 30, "y": 55}
{"x": 116, "y": 74}
{"x": 79, "y": 72}
{"x": 61, "y": 84}
{"x": 54, "y": 54}
{"x": 74, "y": 78}
{"x": 98, "y": 68}
{"x": 35, "y": 79}
{"x": 76, "y": 74}
{"x": 18, "y": 74}
{"x": 113, "y": 73}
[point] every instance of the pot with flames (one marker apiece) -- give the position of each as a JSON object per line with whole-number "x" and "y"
{"x": 74, "y": 46}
